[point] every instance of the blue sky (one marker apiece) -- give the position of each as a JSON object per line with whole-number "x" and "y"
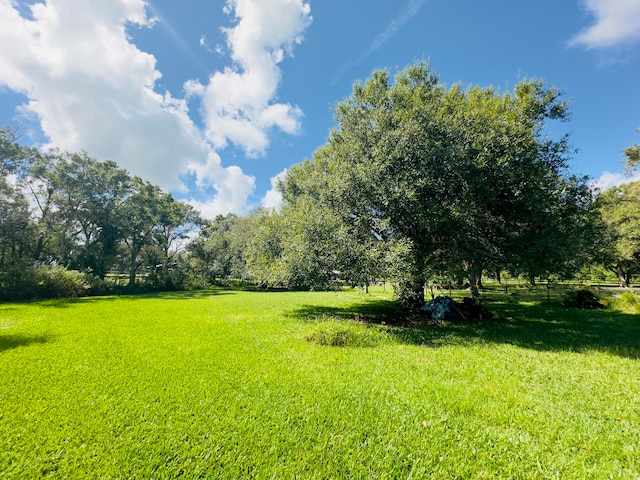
{"x": 213, "y": 100}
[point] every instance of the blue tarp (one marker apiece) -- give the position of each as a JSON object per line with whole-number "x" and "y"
{"x": 440, "y": 308}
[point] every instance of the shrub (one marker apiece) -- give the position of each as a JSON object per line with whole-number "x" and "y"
{"x": 193, "y": 281}
{"x": 169, "y": 281}
{"x": 27, "y": 281}
{"x": 584, "y": 299}
{"x": 97, "y": 286}
{"x": 58, "y": 282}
{"x": 18, "y": 282}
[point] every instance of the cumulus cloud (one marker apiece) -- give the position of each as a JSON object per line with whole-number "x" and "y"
{"x": 238, "y": 102}
{"x": 273, "y": 198}
{"x": 617, "y": 22}
{"x": 92, "y": 89}
{"x": 233, "y": 188}
{"x": 608, "y": 180}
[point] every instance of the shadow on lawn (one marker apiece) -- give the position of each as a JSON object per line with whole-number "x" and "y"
{"x": 8, "y": 342}
{"x": 186, "y": 295}
{"x": 544, "y": 327}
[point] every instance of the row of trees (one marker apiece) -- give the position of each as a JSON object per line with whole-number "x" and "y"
{"x": 71, "y": 210}
{"x": 417, "y": 182}
{"x": 306, "y": 246}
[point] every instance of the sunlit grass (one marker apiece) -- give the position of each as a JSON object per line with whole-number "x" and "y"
{"x": 231, "y": 384}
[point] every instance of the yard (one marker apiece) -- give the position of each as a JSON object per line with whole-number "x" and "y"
{"x": 239, "y": 384}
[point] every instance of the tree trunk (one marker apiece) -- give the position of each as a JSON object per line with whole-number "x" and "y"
{"x": 39, "y": 248}
{"x": 623, "y": 279}
{"x": 132, "y": 270}
{"x": 474, "y": 272}
{"x": 624, "y": 275}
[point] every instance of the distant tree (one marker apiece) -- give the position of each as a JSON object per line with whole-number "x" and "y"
{"x": 71, "y": 210}
{"x": 176, "y": 220}
{"x": 265, "y": 260}
{"x": 36, "y": 182}
{"x": 620, "y": 209}
{"x": 16, "y": 228}
{"x": 218, "y": 252}
{"x": 142, "y": 213}
{"x": 11, "y": 153}
{"x": 296, "y": 248}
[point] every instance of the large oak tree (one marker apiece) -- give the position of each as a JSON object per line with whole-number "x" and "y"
{"x": 467, "y": 177}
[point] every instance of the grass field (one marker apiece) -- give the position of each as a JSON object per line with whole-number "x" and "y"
{"x": 229, "y": 384}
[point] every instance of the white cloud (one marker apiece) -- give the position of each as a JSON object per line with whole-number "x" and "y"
{"x": 238, "y": 102}
{"x": 617, "y": 22}
{"x": 204, "y": 44}
{"x": 232, "y": 185}
{"x": 608, "y": 180}
{"x": 273, "y": 198}
{"x": 94, "y": 90}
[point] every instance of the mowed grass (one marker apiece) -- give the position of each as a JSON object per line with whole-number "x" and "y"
{"x": 230, "y": 384}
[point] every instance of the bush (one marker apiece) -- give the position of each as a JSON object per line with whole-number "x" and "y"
{"x": 169, "y": 281}
{"x": 18, "y": 282}
{"x": 58, "y": 282}
{"x": 25, "y": 281}
{"x": 97, "y": 286}
{"x": 583, "y": 299}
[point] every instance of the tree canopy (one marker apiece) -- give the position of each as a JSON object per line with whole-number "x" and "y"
{"x": 466, "y": 178}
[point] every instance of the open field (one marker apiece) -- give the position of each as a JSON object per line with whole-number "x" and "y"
{"x": 229, "y": 384}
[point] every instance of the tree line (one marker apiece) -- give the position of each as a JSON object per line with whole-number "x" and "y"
{"x": 66, "y": 212}
{"x": 417, "y": 182}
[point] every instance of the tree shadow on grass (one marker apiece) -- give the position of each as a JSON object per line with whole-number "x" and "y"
{"x": 186, "y": 295}
{"x": 8, "y": 342}
{"x": 543, "y": 327}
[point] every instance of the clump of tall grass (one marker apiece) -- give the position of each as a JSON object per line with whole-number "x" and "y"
{"x": 345, "y": 333}
{"x": 626, "y": 302}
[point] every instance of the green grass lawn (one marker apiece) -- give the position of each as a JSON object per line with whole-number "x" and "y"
{"x": 229, "y": 384}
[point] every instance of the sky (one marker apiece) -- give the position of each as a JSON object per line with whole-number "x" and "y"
{"x": 214, "y": 99}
